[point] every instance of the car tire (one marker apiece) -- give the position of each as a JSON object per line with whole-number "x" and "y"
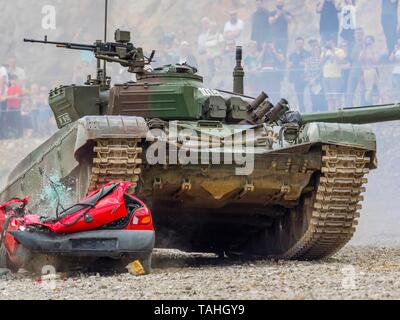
{"x": 146, "y": 263}
{"x": 3, "y": 257}
{"x": 5, "y": 262}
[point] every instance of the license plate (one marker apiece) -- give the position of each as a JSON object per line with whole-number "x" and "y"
{"x": 94, "y": 244}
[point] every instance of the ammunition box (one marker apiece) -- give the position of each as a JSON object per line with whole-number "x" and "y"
{"x": 122, "y": 36}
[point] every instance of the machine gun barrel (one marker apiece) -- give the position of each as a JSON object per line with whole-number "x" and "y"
{"x": 121, "y": 51}
{"x": 66, "y": 45}
{"x": 359, "y": 115}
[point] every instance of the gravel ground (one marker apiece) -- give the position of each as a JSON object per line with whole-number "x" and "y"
{"x": 354, "y": 273}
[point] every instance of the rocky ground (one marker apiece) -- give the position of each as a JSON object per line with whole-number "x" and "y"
{"x": 354, "y": 273}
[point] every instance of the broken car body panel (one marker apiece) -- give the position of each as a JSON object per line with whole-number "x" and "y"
{"x": 107, "y": 223}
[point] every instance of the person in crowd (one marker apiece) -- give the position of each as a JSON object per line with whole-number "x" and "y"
{"x": 4, "y": 76}
{"x": 272, "y": 64}
{"x": 233, "y": 30}
{"x": 87, "y": 57}
{"x": 297, "y": 63}
{"x": 34, "y": 98}
{"x": 348, "y": 19}
{"x": 354, "y": 81}
{"x": 3, "y": 94}
{"x": 251, "y": 64}
{"x": 166, "y": 53}
{"x": 329, "y": 19}
{"x": 331, "y": 60}
{"x": 214, "y": 46}
{"x": 202, "y": 38}
{"x": 395, "y": 58}
{"x": 27, "y": 114}
{"x": 230, "y": 55}
{"x": 346, "y": 67}
{"x": 201, "y": 43}
{"x": 313, "y": 76}
{"x": 15, "y": 70}
{"x": 260, "y": 28}
{"x": 252, "y": 59}
{"x": 279, "y": 20}
{"x": 389, "y": 21}
{"x": 186, "y": 55}
{"x": 219, "y": 79}
{"x": 46, "y": 122}
{"x": 369, "y": 60}
{"x": 14, "y": 103}
{"x": 80, "y": 71}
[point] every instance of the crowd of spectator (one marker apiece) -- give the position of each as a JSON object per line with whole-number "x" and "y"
{"x": 338, "y": 67}
{"x": 331, "y": 67}
{"x": 24, "y": 109}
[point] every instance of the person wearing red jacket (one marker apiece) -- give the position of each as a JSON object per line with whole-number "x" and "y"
{"x": 14, "y": 103}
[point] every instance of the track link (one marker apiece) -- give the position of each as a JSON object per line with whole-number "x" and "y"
{"x": 116, "y": 160}
{"x": 336, "y": 205}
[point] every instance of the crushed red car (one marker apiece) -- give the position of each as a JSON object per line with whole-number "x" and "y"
{"x": 109, "y": 223}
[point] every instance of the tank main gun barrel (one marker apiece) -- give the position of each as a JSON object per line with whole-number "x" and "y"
{"x": 359, "y": 115}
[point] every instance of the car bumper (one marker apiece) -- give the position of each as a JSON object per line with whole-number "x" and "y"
{"x": 102, "y": 243}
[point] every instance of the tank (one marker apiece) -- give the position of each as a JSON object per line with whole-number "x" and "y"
{"x": 221, "y": 171}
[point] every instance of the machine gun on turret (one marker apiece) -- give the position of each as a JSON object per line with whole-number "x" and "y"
{"x": 121, "y": 51}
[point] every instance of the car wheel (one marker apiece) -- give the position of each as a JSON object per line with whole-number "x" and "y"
{"x": 3, "y": 257}
{"x": 235, "y": 256}
{"x": 146, "y": 263}
{"x": 5, "y": 261}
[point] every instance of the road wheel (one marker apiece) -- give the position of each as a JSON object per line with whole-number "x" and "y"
{"x": 285, "y": 232}
{"x": 326, "y": 218}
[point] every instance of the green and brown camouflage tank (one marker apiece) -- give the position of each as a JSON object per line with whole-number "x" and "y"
{"x": 222, "y": 172}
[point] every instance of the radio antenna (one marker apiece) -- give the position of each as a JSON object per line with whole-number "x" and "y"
{"x": 105, "y": 41}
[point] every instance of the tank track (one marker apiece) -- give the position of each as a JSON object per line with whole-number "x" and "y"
{"x": 336, "y": 205}
{"x": 334, "y": 209}
{"x": 116, "y": 160}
